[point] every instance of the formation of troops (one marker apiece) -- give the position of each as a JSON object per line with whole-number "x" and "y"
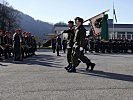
{"x": 110, "y": 46}
{"x": 17, "y": 46}
{"x": 97, "y": 45}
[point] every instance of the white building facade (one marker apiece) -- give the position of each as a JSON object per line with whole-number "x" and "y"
{"x": 121, "y": 31}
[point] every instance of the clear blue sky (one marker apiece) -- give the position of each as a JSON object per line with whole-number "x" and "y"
{"x": 63, "y": 10}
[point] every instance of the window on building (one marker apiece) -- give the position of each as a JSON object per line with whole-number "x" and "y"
{"x": 129, "y": 35}
{"x": 121, "y": 35}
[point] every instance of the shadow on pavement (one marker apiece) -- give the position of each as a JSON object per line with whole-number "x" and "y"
{"x": 108, "y": 75}
{"x": 44, "y": 60}
{"x": 41, "y": 59}
{"x": 114, "y": 54}
{"x": 3, "y": 65}
{"x": 46, "y": 50}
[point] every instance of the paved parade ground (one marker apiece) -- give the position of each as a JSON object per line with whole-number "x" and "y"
{"x": 43, "y": 77}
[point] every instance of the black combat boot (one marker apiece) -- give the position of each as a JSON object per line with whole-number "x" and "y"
{"x": 72, "y": 69}
{"x": 69, "y": 66}
{"x": 92, "y": 65}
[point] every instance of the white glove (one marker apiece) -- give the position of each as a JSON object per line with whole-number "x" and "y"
{"x": 81, "y": 49}
{"x": 68, "y": 46}
{"x": 75, "y": 46}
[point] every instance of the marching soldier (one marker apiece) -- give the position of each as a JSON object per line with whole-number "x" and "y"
{"x": 70, "y": 43}
{"x": 79, "y": 44}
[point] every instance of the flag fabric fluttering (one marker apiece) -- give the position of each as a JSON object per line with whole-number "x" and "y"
{"x": 104, "y": 32}
{"x": 96, "y": 24}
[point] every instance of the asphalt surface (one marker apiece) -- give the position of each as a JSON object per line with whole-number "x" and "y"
{"x": 43, "y": 77}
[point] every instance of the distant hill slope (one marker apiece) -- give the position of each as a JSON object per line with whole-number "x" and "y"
{"x": 36, "y": 27}
{"x": 29, "y": 24}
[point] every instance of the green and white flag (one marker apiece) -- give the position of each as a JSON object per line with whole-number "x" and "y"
{"x": 104, "y": 31}
{"x": 96, "y": 23}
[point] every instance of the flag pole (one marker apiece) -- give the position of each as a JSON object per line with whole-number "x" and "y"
{"x": 113, "y": 23}
{"x": 96, "y": 15}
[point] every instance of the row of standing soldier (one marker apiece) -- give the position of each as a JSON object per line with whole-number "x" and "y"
{"x": 18, "y": 45}
{"x": 110, "y": 46}
{"x": 99, "y": 46}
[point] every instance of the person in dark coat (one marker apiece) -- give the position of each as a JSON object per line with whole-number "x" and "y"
{"x": 1, "y": 44}
{"x": 8, "y": 45}
{"x": 97, "y": 45}
{"x": 64, "y": 44}
{"x": 131, "y": 46}
{"x": 34, "y": 45}
{"x": 122, "y": 46}
{"x": 53, "y": 45}
{"x": 58, "y": 45}
{"x": 103, "y": 46}
{"x": 109, "y": 46}
{"x": 126, "y": 46}
{"x": 86, "y": 48}
{"x": 17, "y": 45}
{"x": 79, "y": 44}
{"x": 70, "y": 43}
{"x": 92, "y": 45}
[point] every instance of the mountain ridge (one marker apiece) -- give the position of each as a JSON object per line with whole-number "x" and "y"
{"x": 37, "y": 27}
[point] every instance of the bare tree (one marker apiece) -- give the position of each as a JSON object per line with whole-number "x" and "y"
{"x": 9, "y": 17}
